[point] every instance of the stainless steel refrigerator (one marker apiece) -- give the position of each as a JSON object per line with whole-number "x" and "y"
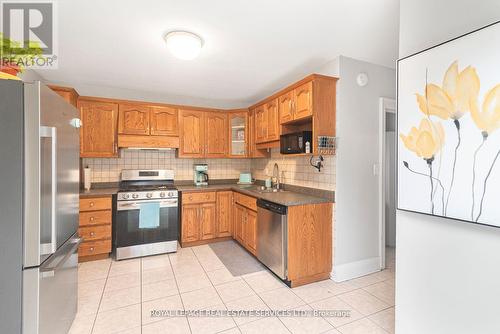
{"x": 39, "y": 190}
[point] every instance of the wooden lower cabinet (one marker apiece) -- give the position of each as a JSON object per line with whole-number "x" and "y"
{"x": 251, "y": 231}
{"x": 95, "y": 228}
{"x": 207, "y": 220}
{"x": 245, "y": 221}
{"x": 199, "y": 218}
{"x": 239, "y": 222}
{"x": 224, "y": 219}
{"x": 190, "y": 223}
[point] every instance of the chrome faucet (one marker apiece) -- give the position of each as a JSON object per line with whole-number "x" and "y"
{"x": 276, "y": 176}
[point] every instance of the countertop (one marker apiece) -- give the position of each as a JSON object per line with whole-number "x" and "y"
{"x": 287, "y": 197}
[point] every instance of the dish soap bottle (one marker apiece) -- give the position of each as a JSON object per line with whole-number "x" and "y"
{"x": 308, "y": 147}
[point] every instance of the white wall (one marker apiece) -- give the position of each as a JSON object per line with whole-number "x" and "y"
{"x": 448, "y": 272}
{"x": 356, "y": 209}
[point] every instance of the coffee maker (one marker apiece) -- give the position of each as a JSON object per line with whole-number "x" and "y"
{"x": 201, "y": 175}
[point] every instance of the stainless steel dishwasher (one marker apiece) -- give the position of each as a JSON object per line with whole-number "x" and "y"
{"x": 272, "y": 236}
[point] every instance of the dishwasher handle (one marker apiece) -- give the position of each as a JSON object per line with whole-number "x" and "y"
{"x": 273, "y": 207}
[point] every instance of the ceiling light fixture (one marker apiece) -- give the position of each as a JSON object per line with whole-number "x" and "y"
{"x": 183, "y": 44}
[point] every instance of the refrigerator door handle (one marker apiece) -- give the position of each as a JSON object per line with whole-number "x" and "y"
{"x": 49, "y": 271}
{"x": 51, "y": 132}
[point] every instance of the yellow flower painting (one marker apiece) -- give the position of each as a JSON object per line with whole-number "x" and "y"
{"x": 447, "y": 126}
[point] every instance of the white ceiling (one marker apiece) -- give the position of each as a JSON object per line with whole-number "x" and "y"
{"x": 252, "y": 48}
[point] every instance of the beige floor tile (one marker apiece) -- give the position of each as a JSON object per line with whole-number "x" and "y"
{"x": 123, "y": 282}
{"x": 118, "y": 320}
{"x": 193, "y": 282}
{"x": 336, "y": 304}
{"x": 155, "y": 262}
{"x": 251, "y": 303}
{"x": 264, "y": 326}
{"x": 95, "y": 287}
{"x": 187, "y": 269}
{"x": 337, "y": 288}
{"x": 182, "y": 255}
{"x": 152, "y": 310}
{"x": 234, "y": 290}
{"x": 332, "y": 331}
{"x": 177, "y": 325}
{"x": 119, "y": 298}
{"x": 88, "y": 304}
{"x": 385, "y": 319}
{"x": 159, "y": 289}
{"x": 125, "y": 267}
{"x": 212, "y": 324}
{"x": 212, "y": 264}
{"x": 221, "y": 276}
{"x": 383, "y": 291}
{"x": 281, "y": 299}
{"x": 363, "y": 326}
{"x": 263, "y": 281}
{"x": 313, "y": 292}
{"x": 91, "y": 274}
{"x": 307, "y": 324}
{"x": 82, "y": 324}
{"x": 234, "y": 330}
{"x": 363, "y": 301}
{"x": 135, "y": 330}
{"x": 98, "y": 264}
{"x": 157, "y": 274}
{"x": 370, "y": 279}
{"x": 200, "y": 299}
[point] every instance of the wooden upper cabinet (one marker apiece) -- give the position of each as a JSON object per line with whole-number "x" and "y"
{"x": 285, "y": 103}
{"x": 303, "y": 106}
{"x": 273, "y": 124}
{"x": 133, "y": 119}
{"x": 260, "y": 124}
{"x": 224, "y": 219}
{"x": 98, "y": 132}
{"x": 164, "y": 121}
{"x": 238, "y": 135}
{"x": 215, "y": 135}
{"x": 192, "y": 129}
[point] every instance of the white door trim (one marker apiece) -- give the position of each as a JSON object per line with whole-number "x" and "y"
{"x": 386, "y": 105}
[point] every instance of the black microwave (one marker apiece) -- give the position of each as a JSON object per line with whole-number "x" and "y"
{"x": 294, "y": 143}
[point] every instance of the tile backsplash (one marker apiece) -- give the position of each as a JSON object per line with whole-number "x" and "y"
{"x": 108, "y": 169}
{"x": 296, "y": 170}
{"x": 293, "y": 170}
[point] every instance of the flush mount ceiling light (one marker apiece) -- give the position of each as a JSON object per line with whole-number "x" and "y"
{"x": 183, "y": 44}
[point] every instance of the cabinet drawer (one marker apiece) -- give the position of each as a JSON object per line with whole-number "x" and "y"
{"x": 95, "y": 203}
{"x": 193, "y": 198}
{"x": 94, "y": 247}
{"x": 95, "y": 232}
{"x": 246, "y": 201}
{"x": 95, "y": 218}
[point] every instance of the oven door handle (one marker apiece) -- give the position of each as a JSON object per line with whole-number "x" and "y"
{"x": 123, "y": 206}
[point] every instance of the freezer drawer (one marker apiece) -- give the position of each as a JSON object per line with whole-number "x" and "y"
{"x": 50, "y": 292}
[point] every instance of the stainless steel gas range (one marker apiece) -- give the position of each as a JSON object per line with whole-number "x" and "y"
{"x": 146, "y": 214}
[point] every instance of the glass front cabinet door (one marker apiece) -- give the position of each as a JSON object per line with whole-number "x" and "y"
{"x": 238, "y": 127}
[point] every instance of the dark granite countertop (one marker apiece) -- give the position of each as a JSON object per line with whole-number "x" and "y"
{"x": 293, "y": 195}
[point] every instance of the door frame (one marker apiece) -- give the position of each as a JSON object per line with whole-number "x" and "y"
{"x": 386, "y": 105}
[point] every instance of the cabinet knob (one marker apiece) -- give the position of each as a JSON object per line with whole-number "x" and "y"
{"x": 92, "y": 219}
{"x": 91, "y": 249}
{"x": 91, "y": 204}
{"x": 92, "y": 234}
{"x": 190, "y": 198}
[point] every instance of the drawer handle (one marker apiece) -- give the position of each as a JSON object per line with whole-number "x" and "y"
{"x": 92, "y": 234}
{"x": 91, "y": 249}
{"x": 91, "y": 204}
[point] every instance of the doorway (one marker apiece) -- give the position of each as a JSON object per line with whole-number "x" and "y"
{"x": 387, "y": 180}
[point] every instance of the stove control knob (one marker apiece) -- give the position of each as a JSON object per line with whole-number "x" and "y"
{"x": 162, "y": 194}
{"x": 149, "y": 195}
{"x": 125, "y": 196}
{"x": 170, "y": 194}
{"x": 134, "y": 196}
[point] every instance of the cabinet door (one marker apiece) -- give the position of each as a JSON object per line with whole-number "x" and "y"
{"x": 303, "y": 101}
{"x": 251, "y": 231}
{"x": 253, "y": 152}
{"x": 239, "y": 217}
{"x": 164, "y": 121}
{"x": 260, "y": 125}
{"x": 285, "y": 107}
{"x": 273, "y": 125}
{"x": 238, "y": 135}
{"x": 191, "y": 125}
{"x": 190, "y": 223}
{"x": 223, "y": 226}
{"x": 98, "y": 137}
{"x": 207, "y": 217}
{"x": 216, "y": 135}
{"x": 133, "y": 119}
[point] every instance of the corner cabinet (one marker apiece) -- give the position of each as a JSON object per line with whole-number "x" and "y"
{"x": 98, "y": 134}
{"x": 238, "y": 135}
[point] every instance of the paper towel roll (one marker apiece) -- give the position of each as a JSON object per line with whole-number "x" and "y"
{"x": 87, "y": 175}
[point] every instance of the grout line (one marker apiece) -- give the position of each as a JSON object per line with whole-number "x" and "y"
{"x": 180, "y": 297}
{"x": 100, "y": 299}
{"x": 140, "y": 291}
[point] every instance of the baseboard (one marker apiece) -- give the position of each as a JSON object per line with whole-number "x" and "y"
{"x": 356, "y": 269}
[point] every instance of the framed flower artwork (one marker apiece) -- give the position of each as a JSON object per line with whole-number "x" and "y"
{"x": 449, "y": 129}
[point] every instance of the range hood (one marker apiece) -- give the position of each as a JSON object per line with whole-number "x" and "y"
{"x": 148, "y": 142}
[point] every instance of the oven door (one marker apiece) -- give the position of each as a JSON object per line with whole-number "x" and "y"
{"x": 128, "y": 233}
